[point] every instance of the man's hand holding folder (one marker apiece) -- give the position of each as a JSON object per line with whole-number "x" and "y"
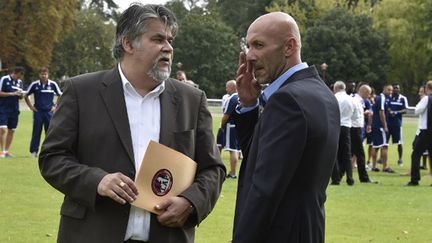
{"x": 163, "y": 175}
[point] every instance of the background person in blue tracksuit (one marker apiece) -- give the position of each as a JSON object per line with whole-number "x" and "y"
{"x": 43, "y": 91}
{"x": 11, "y": 90}
{"x": 398, "y": 105}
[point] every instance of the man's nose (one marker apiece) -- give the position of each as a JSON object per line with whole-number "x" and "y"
{"x": 167, "y": 47}
{"x": 250, "y": 56}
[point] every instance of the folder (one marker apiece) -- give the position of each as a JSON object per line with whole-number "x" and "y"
{"x": 164, "y": 173}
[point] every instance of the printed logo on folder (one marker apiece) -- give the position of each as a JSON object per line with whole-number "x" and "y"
{"x": 162, "y": 182}
{"x": 163, "y": 173}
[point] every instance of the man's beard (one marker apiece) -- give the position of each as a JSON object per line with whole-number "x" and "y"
{"x": 158, "y": 75}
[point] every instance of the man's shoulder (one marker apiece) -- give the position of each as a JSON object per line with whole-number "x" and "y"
{"x": 34, "y": 83}
{"x": 5, "y": 77}
{"x": 52, "y": 82}
{"x": 378, "y": 98}
{"x": 182, "y": 88}
{"x": 309, "y": 88}
{"x": 357, "y": 99}
{"x": 88, "y": 77}
{"x": 233, "y": 96}
{"x": 95, "y": 79}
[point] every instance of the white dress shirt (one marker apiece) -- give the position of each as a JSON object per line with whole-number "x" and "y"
{"x": 421, "y": 111}
{"x": 144, "y": 122}
{"x": 225, "y": 99}
{"x": 346, "y": 108}
{"x": 358, "y": 115}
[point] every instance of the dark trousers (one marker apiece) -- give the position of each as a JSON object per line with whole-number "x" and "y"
{"x": 424, "y": 142}
{"x": 358, "y": 151}
{"x": 40, "y": 119}
{"x": 343, "y": 162}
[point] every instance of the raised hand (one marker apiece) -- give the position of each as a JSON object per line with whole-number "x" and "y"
{"x": 248, "y": 88}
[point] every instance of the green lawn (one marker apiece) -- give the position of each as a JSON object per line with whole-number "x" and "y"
{"x": 387, "y": 212}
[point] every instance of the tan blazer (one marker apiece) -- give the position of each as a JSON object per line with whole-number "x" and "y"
{"x": 89, "y": 136}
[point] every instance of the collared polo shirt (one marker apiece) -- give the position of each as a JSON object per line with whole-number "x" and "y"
{"x": 397, "y": 103}
{"x": 230, "y": 106}
{"x": 367, "y": 106}
{"x": 381, "y": 104}
{"x": 44, "y": 94}
{"x": 10, "y": 104}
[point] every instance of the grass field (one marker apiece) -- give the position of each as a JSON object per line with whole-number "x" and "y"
{"x": 387, "y": 212}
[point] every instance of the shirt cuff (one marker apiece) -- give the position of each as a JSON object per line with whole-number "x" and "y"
{"x": 242, "y": 110}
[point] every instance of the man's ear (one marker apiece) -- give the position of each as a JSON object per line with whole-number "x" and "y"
{"x": 127, "y": 45}
{"x": 290, "y": 46}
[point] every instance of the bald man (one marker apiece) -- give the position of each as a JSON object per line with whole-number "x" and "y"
{"x": 358, "y": 124}
{"x": 290, "y": 150}
{"x": 227, "y": 124}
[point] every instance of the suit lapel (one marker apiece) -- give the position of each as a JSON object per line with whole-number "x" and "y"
{"x": 113, "y": 96}
{"x": 168, "y": 109}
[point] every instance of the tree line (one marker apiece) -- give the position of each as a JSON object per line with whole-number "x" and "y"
{"x": 373, "y": 41}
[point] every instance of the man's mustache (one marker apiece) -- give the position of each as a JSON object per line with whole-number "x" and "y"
{"x": 165, "y": 58}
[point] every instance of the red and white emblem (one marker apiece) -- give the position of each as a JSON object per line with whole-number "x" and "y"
{"x": 162, "y": 182}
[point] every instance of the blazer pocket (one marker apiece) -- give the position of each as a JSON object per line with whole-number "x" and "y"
{"x": 72, "y": 209}
{"x": 184, "y": 142}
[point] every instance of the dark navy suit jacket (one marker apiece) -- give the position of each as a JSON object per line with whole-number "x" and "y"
{"x": 289, "y": 152}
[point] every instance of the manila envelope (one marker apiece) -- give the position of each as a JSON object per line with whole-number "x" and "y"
{"x": 164, "y": 173}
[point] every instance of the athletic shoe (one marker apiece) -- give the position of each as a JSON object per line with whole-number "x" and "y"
{"x": 412, "y": 183}
{"x": 368, "y": 166}
{"x": 229, "y": 176}
{"x": 9, "y": 155}
{"x": 400, "y": 162}
{"x": 370, "y": 181}
{"x": 388, "y": 170}
{"x": 33, "y": 155}
{"x": 375, "y": 169}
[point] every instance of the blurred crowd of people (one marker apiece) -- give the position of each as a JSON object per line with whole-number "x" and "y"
{"x": 374, "y": 119}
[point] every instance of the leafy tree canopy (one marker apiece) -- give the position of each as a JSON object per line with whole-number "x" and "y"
{"x": 87, "y": 48}
{"x": 208, "y": 50}
{"x": 409, "y": 24}
{"x": 29, "y": 30}
{"x": 353, "y": 50}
